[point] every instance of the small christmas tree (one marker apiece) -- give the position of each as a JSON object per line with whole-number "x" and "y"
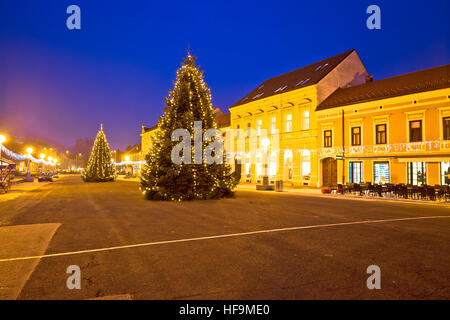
{"x": 162, "y": 179}
{"x": 99, "y": 167}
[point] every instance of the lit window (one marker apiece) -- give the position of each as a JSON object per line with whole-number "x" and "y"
{"x": 258, "y": 95}
{"x": 306, "y": 163}
{"x": 259, "y": 127}
{"x": 380, "y": 130}
{"x": 289, "y": 123}
{"x": 356, "y": 136}
{"x": 417, "y": 173}
{"x": 381, "y": 172}
{"x": 445, "y": 173}
{"x": 355, "y": 171}
{"x": 273, "y": 125}
{"x": 306, "y": 120}
{"x": 415, "y": 131}
{"x": 249, "y": 129}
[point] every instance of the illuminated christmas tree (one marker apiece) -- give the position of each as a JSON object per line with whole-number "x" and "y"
{"x": 99, "y": 167}
{"x": 162, "y": 179}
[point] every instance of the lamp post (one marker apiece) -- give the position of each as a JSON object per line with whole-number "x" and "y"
{"x": 2, "y": 139}
{"x": 42, "y": 156}
{"x": 127, "y": 159}
{"x": 29, "y": 178}
{"x": 266, "y": 143}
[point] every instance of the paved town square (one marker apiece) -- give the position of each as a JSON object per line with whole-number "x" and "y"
{"x": 258, "y": 245}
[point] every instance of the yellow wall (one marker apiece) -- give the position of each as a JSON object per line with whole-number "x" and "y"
{"x": 396, "y": 112}
{"x": 294, "y": 103}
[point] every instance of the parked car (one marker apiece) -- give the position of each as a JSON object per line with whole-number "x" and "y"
{"x": 45, "y": 177}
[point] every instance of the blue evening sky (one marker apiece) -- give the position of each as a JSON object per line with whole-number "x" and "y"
{"x": 59, "y": 84}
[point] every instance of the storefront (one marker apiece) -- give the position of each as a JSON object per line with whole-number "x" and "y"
{"x": 445, "y": 173}
{"x": 381, "y": 172}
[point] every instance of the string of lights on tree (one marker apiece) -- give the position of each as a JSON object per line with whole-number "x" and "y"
{"x": 99, "y": 167}
{"x": 189, "y": 101}
{"x": 22, "y": 157}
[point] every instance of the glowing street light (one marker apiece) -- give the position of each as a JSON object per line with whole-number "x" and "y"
{"x": 29, "y": 150}
{"x": 127, "y": 158}
{"x": 2, "y": 139}
{"x": 42, "y": 156}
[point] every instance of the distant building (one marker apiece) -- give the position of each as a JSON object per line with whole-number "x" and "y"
{"x": 222, "y": 121}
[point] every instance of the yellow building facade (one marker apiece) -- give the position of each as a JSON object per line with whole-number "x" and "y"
{"x": 395, "y": 130}
{"x": 283, "y": 110}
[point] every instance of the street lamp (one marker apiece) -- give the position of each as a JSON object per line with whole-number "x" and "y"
{"x": 266, "y": 143}
{"x": 2, "y": 139}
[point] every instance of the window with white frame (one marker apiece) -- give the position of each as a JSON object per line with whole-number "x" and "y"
{"x": 259, "y": 127}
{"x": 273, "y": 125}
{"x": 306, "y": 163}
{"x": 289, "y": 122}
{"x": 417, "y": 173}
{"x": 445, "y": 173}
{"x": 355, "y": 171}
{"x": 306, "y": 120}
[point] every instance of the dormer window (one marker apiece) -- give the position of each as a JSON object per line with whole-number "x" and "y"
{"x": 302, "y": 82}
{"x": 281, "y": 89}
{"x": 321, "y": 67}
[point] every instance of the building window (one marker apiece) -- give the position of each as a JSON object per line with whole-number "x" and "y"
{"x": 237, "y": 131}
{"x": 355, "y": 171}
{"x": 380, "y": 133}
{"x": 306, "y": 163}
{"x": 356, "y": 136}
{"x": 249, "y": 129}
{"x": 415, "y": 131}
{"x": 446, "y": 128}
{"x": 289, "y": 123}
{"x": 445, "y": 173}
{"x": 381, "y": 172}
{"x": 306, "y": 120}
{"x": 273, "y": 165}
{"x": 259, "y": 128}
{"x": 417, "y": 173}
{"x": 327, "y": 139}
{"x": 273, "y": 125}
{"x": 288, "y": 157}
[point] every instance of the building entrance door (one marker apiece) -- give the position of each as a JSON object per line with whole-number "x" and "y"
{"x": 329, "y": 172}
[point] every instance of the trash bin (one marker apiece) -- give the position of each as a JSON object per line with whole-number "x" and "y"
{"x": 279, "y": 185}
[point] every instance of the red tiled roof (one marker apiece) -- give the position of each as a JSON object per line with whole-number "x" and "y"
{"x": 408, "y": 83}
{"x": 303, "y": 77}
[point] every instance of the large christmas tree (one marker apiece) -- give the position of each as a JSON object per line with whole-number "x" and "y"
{"x": 162, "y": 179}
{"x": 99, "y": 167}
